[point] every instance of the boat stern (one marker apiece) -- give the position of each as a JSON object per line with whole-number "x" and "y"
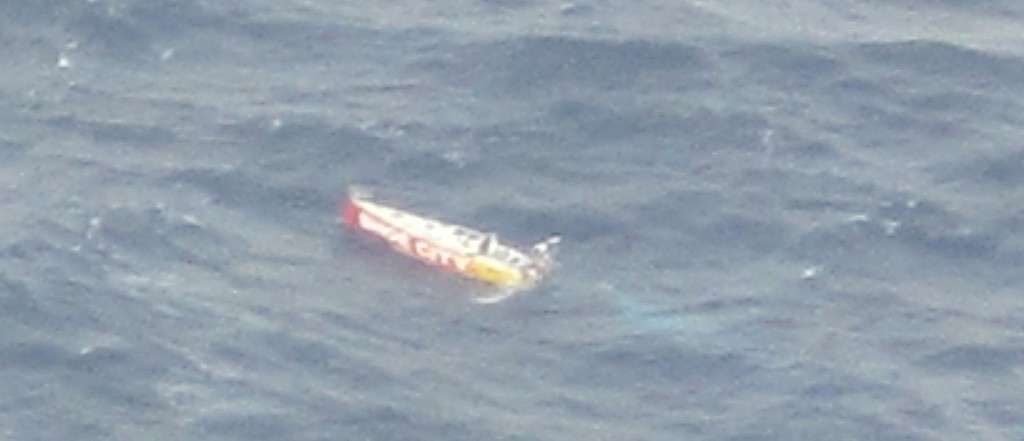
{"x": 352, "y": 205}
{"x": 350, "y": 212}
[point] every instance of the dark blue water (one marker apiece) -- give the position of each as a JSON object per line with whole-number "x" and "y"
{"x": 783, "y": 220}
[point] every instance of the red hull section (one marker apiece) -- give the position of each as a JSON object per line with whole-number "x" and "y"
{"x": 350, "y": 213}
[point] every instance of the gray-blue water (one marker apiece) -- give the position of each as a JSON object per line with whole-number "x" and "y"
{"x": 783, "y": 220}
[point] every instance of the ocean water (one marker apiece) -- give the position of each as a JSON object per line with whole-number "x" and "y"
{"x": 783, "y": 220}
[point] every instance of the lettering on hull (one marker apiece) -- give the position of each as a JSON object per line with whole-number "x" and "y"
{"x": 410, "y": 245}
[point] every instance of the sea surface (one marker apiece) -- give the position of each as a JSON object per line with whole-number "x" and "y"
{"x": 782, "y": 219}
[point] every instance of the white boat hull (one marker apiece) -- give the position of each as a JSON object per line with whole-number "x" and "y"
{"x": 448, "y": 246}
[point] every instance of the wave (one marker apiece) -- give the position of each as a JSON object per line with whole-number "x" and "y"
{"x": 930, "y": 61}
{"x": 533, "y": 64}
{"x": 976, "y": 359}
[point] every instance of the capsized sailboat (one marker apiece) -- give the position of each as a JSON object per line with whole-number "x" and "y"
{"x": 471, "y": 253}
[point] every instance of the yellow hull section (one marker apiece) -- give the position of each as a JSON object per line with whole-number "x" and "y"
{"x": 493, "y": 271}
